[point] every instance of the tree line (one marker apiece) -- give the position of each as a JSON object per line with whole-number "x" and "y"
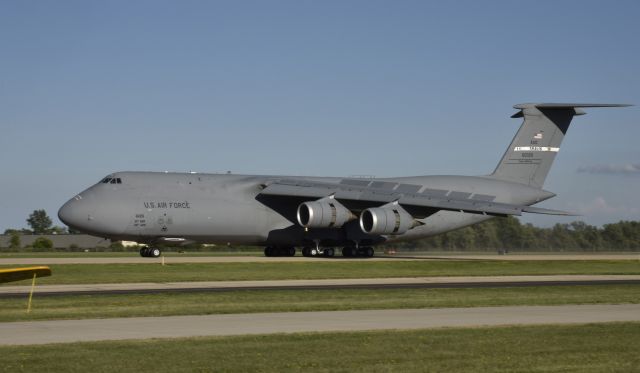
{"x": 510, "y": 235}
{"x": 495, "y": 234}
{"x": 40, "y": 223}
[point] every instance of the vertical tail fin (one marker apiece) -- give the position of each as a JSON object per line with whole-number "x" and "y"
{"x": 532, "y": 151}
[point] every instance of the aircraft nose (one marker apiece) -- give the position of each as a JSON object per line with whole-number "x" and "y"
{"x": 74, "y": 214}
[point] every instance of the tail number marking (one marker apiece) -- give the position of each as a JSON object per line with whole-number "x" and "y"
{"x": 535, "y": 149}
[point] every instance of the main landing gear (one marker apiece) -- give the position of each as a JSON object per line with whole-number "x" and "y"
{"x": 328, "y": 252}
{"x": 313, "y": 251}
{"x": 150, "y": 252}
{"x": 358, "y": 252}
{"x": 279, "y": 251}
{"x": 347, "y": 252}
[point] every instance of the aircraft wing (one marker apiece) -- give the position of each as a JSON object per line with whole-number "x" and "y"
{"x": 420, "y": 205}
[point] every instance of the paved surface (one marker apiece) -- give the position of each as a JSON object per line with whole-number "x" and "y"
{"x": 372, "y": 283}
{"x": 63, "y": 331}
{"x": 248, "y": 259}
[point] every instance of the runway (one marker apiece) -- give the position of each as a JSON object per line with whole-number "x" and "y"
{"x": 367, "y": 283}
{"x": 65, "y": 331}
{"x": 262, "y": 259}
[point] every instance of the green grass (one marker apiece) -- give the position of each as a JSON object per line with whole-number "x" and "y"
{"x": 25, "y": 253}
{"x": 613, "y": 347}
{"x": 249, "y": 301}
{"x": 153, "y": 272}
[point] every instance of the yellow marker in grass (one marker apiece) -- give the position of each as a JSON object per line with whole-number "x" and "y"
{"x": 17, "y": 274}
{"x": 33, "y": 286}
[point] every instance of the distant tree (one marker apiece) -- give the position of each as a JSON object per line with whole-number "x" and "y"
{"x": 509, "y": 232}
{"x": 72, "y": 231}
{"x": 14, "y": 242}
{"x": 39, "y": 222}
{"x": 487, "y": 236}
{"x": 42, "y": 243}
{"x": 586, "y": 237}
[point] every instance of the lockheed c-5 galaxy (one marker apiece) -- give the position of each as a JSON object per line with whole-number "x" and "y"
{"x": 320, "y": 214}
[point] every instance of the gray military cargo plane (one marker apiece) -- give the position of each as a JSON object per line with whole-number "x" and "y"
{"x": 320, "y": 214}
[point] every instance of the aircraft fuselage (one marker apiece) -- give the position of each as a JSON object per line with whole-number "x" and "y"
{"x": 154, "y": 207}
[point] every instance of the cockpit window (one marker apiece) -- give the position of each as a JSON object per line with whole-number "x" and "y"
{"x": 111, "y": 180}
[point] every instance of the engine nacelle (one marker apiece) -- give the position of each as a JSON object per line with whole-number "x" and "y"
{"x": 388, "y": 219}
{"x": 323, "y": 213}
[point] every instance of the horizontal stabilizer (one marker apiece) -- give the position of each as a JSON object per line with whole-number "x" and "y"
{"x": 566, "y": 105}
{"x": 540, "y": 210}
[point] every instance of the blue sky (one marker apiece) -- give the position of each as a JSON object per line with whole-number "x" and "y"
{"x": 385, "y": 88}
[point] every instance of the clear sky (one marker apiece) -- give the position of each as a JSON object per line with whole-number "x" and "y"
{"x": 335, "y": 88}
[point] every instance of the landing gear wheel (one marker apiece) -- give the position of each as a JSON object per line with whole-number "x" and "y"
{"x": 368, "y": 252}
{"x": 150, "y": 252}
{"x": 329, "y": 253}
{"x": 306, "y": 251}
{"x": 291, "y": 251}
{"x": 268, "y": 251}
{"x": 349, "y": 252}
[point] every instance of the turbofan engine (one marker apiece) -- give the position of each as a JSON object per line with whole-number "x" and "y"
{"x": 323, "y": 213}
{"x": 388, "y": 219}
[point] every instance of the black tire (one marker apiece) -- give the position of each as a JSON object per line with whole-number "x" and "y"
{"x": 369, "y": 252}
{"x": 306, "y": 251}
{"x": 291, "y": 251}
{"x": 268, "y": 251}
{"x": 329, "y": 252}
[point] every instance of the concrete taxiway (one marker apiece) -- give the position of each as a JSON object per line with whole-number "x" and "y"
{"x": 262, "y": 259}
{"x": 364, "y": 283}
{"x": 64, "y": 331}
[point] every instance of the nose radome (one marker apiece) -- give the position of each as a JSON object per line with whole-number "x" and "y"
{"x": 73, "y": 214}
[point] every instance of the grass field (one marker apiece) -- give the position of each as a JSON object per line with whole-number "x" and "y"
{"x": 611, "y": 347}
{"x": 259, "y": 252}
{"x": 249, "y": 301}
{"x": 119, "y": 273}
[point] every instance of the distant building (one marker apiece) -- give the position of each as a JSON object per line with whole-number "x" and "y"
{"x": 61, "y": 241}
